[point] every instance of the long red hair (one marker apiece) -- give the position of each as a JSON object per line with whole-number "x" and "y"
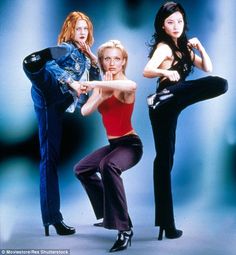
{"x": 68, "y": 29}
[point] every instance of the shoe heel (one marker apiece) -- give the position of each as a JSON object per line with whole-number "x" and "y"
{"x": 46, "y": 228}
{"x": 160, "y": 234}
{"x": 123, "y": 241}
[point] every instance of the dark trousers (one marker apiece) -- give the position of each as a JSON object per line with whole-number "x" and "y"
{"x": 106, "y": 192}
{"x": 164, "y": 121}
{"x": 49, "y": 104}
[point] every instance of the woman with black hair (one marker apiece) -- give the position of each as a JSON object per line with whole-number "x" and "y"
{"x": 172, "y": 58}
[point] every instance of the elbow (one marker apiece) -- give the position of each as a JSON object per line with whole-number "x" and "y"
{"x": 133, "y": 86}
{"x": 84, "y": 112}
{"x": 147, "y": 73}
{"x": 209, "y": 69}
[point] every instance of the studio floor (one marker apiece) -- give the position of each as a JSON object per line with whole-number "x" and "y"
{"x": 209, "y": 228}
{"x": 205, "y": 233}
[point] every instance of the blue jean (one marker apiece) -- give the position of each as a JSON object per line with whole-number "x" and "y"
{"x": 107, "y": 194}
{"x": 49, "y": 104}
{"x": 164, "y": 122}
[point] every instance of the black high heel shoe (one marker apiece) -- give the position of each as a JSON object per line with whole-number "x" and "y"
{"x": 170, "y": 233}
{"x": 122, "y": 241}
{"x": 61, "y": 229}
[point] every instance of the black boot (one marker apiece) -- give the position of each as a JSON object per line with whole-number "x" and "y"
{"x": 35, "y": 61}
{"x": 61, "y": 229}
{"x": 170, "y": 233}
{"x": 122, "y": 241}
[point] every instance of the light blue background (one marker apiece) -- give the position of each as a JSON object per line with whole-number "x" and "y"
{"x": 204, "y": 174}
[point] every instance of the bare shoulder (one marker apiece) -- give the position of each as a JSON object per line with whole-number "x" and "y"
{"x": 163, "y": 50}
{"x": 164, "y": 46}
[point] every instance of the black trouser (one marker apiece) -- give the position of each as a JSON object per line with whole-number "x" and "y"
{"x": 164, "y": 121}
{"x": 107, "y": 194}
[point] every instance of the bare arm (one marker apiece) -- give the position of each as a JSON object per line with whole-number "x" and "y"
{"x": 87, "y": 51}
{"x": 203, "y": 61}
{"x": 120, "y": 85}
{"x": 75, "y": 85}
{"x": 157, "y": 65}
{"x": 152, "y": 69}
{"x": 97, "y": 97}
{"x": 91, "y": 105}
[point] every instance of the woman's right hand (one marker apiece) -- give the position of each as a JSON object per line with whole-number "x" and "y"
{"x": 106, "y": 93}
{"x": 171, "y": 75}
{"x": 80, "y": 87}
{"x": 108, "y": 76}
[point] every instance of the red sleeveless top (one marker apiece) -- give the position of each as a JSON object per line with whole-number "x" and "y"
{"x": 116, "y": 116}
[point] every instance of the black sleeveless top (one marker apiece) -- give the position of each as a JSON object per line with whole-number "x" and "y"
{"x": 181, "y": 67}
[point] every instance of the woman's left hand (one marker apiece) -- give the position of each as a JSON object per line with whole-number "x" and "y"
{"x": 85, "y": 87}
{"x": 203, "y": 62}
{"x": 195, "y": 43}
{"x": 84, "y": 47}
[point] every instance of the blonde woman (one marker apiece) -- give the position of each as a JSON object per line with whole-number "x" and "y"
{"x": 114, "y": 98}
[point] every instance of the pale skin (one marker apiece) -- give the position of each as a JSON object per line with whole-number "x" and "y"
{"x": 162, "y": 58}
{"x": 81, "y": 36}
{"x": 115, "y": 83}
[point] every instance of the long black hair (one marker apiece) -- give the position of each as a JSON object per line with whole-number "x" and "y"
{"x": 160, "y": 35}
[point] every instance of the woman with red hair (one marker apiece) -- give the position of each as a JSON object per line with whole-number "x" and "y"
{"x": 54, "y": 73}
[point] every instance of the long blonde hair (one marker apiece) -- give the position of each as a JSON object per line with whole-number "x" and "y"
{"x": 109, "y": 45}
{"x": 68, "y": 29}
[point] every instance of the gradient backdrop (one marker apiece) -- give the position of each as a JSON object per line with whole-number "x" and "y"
{"x": 204, "y": 174}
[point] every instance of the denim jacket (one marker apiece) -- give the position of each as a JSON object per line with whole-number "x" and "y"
{"x": 72, "y": 65}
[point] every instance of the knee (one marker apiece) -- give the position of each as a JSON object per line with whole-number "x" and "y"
{"x": 221, "y": 84}
{"x": 108, "y": 168}
{"x": 32, "y": 65}
{"x": 78, "y": 171}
